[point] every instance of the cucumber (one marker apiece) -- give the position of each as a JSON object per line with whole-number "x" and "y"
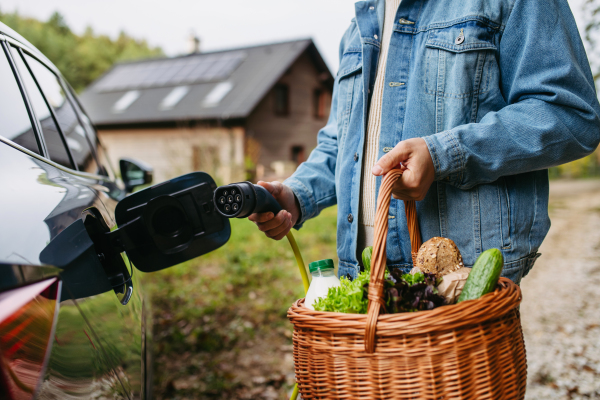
{"x": 483, "y": 276}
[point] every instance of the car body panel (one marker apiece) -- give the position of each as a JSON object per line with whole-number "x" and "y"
{"x": 39, "y": 202}
{"x": 28, "y": 316}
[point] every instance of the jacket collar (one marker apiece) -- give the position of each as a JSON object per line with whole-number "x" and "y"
{"x": 370, "y": 22}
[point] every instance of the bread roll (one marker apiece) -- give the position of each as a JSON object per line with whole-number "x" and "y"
{"x": 439, "y": 256}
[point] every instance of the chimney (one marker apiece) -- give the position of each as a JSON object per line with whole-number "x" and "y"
{"x": 193, "y": 43}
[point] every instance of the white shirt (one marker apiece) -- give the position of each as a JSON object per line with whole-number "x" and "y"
{"x": 366, "y": 223}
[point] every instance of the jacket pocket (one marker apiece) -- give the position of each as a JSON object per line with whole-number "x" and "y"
{"x": 349, "y": 84}
{"x": 456, "y": 55}
{"x": 350, "y": 64}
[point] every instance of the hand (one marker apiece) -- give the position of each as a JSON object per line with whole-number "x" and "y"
{"x": 277, "y": 226}
{"x": 419, "y": 172}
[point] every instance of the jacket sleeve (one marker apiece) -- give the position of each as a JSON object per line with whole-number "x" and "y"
{"x": 313, "y": 182}
{"x": 552, "y": 111}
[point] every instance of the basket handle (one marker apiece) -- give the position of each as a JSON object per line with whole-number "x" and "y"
{"x": 379, "y": 258}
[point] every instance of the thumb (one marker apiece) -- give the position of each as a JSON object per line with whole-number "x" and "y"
{"x": 392, "y": 159}
{"x": 272, "y": 187}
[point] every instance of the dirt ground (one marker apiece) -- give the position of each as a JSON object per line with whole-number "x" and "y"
{"x": 560, "y": 313}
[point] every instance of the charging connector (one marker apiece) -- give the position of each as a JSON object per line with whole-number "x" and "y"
{"x": 239, "y": 200}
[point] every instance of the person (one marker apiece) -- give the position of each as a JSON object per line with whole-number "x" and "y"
{"x": 476, "y": 99}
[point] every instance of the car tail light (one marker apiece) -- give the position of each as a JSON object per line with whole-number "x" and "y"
{"x": 27, "y": 320}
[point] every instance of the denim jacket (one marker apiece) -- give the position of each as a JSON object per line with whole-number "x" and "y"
{"x": 499, "y": 89}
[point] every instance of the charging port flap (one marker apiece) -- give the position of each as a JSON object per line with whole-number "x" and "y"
{"x": 170, "y": 223}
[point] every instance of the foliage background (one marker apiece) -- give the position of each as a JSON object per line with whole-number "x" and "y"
{"x": 80, "y": 58}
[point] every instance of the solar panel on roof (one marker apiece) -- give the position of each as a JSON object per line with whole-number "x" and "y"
{"x": 184, "y": 72}
{"x": 171, "y": 72}
{"x": 199, "y": 70}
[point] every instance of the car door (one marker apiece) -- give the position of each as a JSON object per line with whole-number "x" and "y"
{"x": 61, "y": 212}
{"x": 42, "y": 195}
{"x": 116, "y": 332}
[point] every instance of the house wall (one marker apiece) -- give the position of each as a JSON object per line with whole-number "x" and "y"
{"x": 276, "y": 135}
{"x": 176, "y": 151}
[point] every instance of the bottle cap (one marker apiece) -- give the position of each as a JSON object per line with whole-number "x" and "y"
{"x": 320, "y": 265}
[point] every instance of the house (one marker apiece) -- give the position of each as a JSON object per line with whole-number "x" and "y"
{"x": 245, "y": 113}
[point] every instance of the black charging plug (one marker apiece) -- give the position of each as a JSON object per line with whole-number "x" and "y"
{"x": 244, "y": 198}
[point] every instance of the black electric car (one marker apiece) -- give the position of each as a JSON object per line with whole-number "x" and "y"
{"x": 74, "y": 321}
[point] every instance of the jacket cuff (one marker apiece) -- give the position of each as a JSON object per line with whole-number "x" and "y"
{"x": 448, "y": 157}
{"x": 308, "y": 205}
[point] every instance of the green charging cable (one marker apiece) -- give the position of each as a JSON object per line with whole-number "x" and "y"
{"x": 299, "y": 260}
{"x": 305, "y": 282}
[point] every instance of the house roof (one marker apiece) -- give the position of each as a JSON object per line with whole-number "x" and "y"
{"x": 205, "y": 86}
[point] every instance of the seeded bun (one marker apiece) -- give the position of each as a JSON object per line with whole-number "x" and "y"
{"x": 439, "y": 256}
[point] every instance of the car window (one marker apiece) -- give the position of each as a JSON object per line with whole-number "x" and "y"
{"x": 16, "y": 124}
{"x": 104, "y": 165}
{"x": 87, "y": 124}
{"x": 54, "y": 141}
{"x": 75, "y": 134}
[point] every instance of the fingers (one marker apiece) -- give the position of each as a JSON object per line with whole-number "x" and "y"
{"x": 418, "y": 172}
{"x": 261, "y": 217}
{"x": 274, "y": 222}
{"x": 279, "y": 232}
{"x": 275, "y": 227}
{"x": 392, "y": 159}
{"x": 407, "y": 188}
{"x": 274, "y": 187}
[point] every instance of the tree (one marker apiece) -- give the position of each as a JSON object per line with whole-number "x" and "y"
{"x": 80, "y": 58}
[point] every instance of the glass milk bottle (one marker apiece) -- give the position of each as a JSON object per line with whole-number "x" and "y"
{"x": 323, "y": 277}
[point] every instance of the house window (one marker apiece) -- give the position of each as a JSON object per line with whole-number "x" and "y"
{"x": 282, "y": 99}
{"x": 214, "y": 97}
{"x": 125, "y": 101}
{"x": 298, "y": 154}
{"x": 173, "y": 97}
{"x": 319, "y": 103}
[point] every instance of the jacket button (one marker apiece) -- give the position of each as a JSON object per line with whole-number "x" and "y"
{"x": 350, "y": 218}
{"x": 461, "y": 37}
{"x": 355, "y": 156}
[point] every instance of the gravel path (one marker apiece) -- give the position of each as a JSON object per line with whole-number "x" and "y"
{"x": 561, "y": 298}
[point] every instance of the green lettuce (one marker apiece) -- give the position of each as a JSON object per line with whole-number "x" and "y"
{"x": 350, "y": 297}
{"x": 402, "y": 292}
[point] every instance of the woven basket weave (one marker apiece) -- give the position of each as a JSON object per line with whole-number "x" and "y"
{"x": 471, "y": 350}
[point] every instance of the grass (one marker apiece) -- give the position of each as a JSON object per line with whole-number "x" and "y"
{"x": 220, "y": 320}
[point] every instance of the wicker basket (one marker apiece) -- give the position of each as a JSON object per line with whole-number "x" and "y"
{"x": 471, "y": 350}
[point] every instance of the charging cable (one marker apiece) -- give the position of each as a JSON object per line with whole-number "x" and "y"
{"x": 299, "y": 260}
